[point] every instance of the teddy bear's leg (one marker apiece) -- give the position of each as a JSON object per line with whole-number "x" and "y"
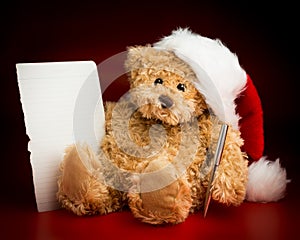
{"x": 79, "y": 187}
{"x": 229, "y": 185}
{"x": 170, "y": 204}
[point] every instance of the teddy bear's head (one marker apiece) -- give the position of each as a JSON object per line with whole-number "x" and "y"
{"x": 161, "y": 86}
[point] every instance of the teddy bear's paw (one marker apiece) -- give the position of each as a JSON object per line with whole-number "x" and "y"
{"x": 79, "y": 188}
{"x": 157, "y": 203}
{"x": 170, "y": 205}
{"x": 88, "y": 203}
{"x": 228, "y": 190}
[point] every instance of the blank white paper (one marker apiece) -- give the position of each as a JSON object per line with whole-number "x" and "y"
{"x": 62, "y": 105}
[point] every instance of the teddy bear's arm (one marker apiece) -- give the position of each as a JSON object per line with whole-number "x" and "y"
{"x": 229, "y": 185}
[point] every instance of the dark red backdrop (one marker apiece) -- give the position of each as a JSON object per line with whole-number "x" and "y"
{"x": 263, "y": 36}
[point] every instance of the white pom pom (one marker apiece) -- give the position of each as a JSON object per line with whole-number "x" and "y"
{"x": 266, "y": 181}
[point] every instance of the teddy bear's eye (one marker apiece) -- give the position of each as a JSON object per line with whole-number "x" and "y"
{"x": 158, "y": 81}
{"x": 181, "y": 87}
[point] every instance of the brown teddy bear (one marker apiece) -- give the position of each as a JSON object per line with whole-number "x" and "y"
{"x": 160, "y": 138}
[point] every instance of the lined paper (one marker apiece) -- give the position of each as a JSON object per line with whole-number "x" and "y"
{"x": 62, "y": 105}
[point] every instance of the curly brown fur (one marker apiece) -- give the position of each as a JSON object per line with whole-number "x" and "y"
{"x": 150, "y": 131}
{"x": 80, "y": 189}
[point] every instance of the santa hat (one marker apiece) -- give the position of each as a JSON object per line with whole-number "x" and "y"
{"x": 232, "y": 97}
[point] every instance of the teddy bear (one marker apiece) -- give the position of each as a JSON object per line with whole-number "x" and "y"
{"x": 160, "y": 137}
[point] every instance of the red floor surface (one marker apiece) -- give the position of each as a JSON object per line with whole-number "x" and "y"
{"x": 249, "y": 221}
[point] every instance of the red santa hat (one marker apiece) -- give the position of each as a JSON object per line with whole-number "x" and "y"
{"x": 232, "y": 96}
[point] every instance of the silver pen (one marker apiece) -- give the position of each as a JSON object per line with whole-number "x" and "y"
{"x": 217, "y": 159}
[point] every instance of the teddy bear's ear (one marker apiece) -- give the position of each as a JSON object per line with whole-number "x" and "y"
{"x": 136, "y": 57}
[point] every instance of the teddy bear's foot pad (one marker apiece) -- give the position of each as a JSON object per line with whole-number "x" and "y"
{"x": 80, "y": 190}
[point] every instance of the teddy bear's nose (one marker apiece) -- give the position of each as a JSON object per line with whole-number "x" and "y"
{"x": 166, "y": 102}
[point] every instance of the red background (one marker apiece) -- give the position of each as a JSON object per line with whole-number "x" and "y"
{"x": 264, "y": 38}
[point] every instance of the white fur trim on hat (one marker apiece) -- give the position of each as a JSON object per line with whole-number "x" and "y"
{"x": 220, "y": 78}
{"x": 266, "y": 181}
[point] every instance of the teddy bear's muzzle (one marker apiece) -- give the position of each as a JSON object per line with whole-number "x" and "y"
{"x": 166, "y": 102}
